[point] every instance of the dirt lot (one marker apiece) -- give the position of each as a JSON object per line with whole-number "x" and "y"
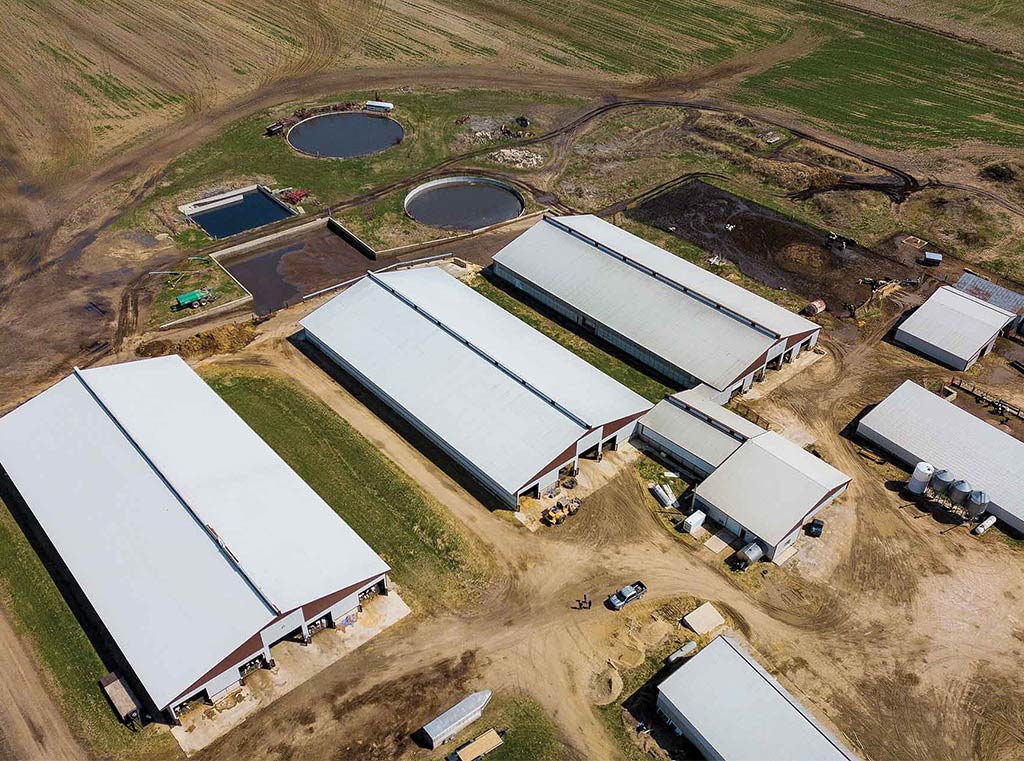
{"x": 766, "y": 245}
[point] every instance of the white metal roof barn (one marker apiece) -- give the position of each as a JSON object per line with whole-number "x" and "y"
{"x": 954, "y": 328}
{"x": 723, "y": 702}
{"x": 194, "y": 543}
{"x": 915, "y": 425}
{"x": 506, "y": 402}
{"x": 685, "y": 322}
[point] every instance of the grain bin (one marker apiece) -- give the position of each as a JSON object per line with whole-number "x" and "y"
{"x": 941, "y": 481}
{"x": 920, "y": 478}
{"x": 977, "y": 504}
{"x": 959, "y": 492}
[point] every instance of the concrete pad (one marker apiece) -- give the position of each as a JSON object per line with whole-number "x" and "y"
{"x": 294, "y": 664}
{"x": 722, "y": 540}
{"x": 704, "y": 619}
{"x": 786, "y": 554}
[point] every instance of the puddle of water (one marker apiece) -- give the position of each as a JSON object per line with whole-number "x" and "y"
{"x": 345, "y": 135}
{"x": 255, "y": 209}
{"x": 465, "y": 205}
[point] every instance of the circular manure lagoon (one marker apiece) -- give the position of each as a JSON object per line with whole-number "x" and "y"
{"x": 464, "y": 203}
{"x": 345, "y": 134}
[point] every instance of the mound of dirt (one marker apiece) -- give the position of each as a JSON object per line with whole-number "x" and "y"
{"x": 221, "y": 340}
{"x": 606, "y": 687}
{"x": 999, "y": 172}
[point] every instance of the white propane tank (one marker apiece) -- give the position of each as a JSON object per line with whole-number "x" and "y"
{"x": 920, "y": 478}
{"x": 985, "y": 525}
{"x": 660, "y": 495}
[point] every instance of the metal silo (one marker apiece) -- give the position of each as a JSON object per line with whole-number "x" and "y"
{"x": 959, "y": 492}
{"x": 941, "y": 481}
{"x": 977, "y": 504}
{"x": 920, "y": 478}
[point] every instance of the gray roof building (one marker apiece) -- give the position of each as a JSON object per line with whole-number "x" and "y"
{"x": 953, "y": 327}
{"x": 508, "y": 403}
{"x": 757, "y": 484}
{"x": 915, "y": 425}
{"x": 770, "y": 487}
{"x": 986, "y": 290}
{"x": 731, "y": 709}
{"x": 691, "y": 427}
{"x": 193, "y": 550}
{"x": 684, "y": 321}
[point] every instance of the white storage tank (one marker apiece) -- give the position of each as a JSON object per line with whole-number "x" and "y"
{"x": 751, "y": 553}
{"x": 985, "y": 525}
{"x": 959, "y": 492}
{"x": 694, "y": 521}
{"x": 977, "y": 504}
{"x": 920, "y": 478}
{"x": 661, "y": 495}
{"x": 941, "y": 481}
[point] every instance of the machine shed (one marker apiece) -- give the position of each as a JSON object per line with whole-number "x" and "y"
{"x": 994, "y": 294}
{"x": 954, "y": 328}
{"x": 686, "y": 323}
{"x": 731, "y": 709}
{"x": 507, "y": 403}
{"x": 913, "y": 425}
{"x": 768, "y": 489}
{"x": 193, "y": 551}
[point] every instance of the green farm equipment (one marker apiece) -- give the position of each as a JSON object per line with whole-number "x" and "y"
{"x": 193, "y": 299}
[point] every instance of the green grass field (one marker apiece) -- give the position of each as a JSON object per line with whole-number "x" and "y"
{"x": 434, "y": 562}
{"x": 894, "y": 86}
{"x": 70, "y": 663}
{"x": 192, "y": 274}
{"x": 530, "y": 732}
{"x": 611, "y": 365}
{"x": 623, "y": 37}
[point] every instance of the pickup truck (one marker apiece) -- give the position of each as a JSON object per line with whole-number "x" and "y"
{"x": 619, "y": 600}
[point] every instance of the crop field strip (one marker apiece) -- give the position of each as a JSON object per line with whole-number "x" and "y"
{"x": 890, "y": 85}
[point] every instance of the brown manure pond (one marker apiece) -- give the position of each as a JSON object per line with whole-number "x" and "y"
{"x": 766, "y": 245}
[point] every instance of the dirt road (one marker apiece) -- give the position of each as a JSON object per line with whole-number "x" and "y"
{"x": 31, "y": 725}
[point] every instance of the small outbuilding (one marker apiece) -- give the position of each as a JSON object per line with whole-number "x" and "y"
{"x": 767, "y": 490}
{"x": 731, "y": 709}
{"x": 954, "y": 328}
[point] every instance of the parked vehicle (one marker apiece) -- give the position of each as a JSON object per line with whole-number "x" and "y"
{"x": 815, "y": 527}
{"x": 622, "y": 598}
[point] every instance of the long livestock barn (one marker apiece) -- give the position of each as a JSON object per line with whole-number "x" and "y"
{"x": 684, "y": 322}
{"x": 190, "y": 543}
{"x": 508, "y": 404}
{"x": 755, "y": 483}
{"x": 914, "y": 425}
{"x": 954, "y": 328}
{"x": 731, "y": 709}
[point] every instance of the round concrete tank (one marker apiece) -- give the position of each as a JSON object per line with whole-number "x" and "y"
{"x": 941, "y": 481}
{"x": 977, "y": 504}
{"x": 959, "y": 492}
{"x": 921, "y": 477}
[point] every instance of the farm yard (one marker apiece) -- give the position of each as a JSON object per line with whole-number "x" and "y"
{"x": 735, "y": 136}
